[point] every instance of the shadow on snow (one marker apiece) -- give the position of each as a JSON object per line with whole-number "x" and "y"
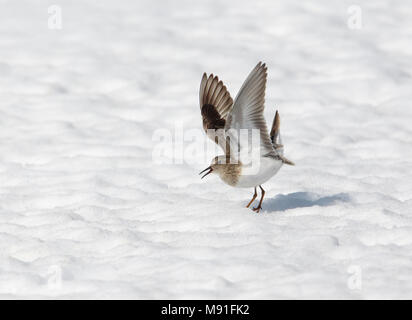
{"x": 302, "y": 200}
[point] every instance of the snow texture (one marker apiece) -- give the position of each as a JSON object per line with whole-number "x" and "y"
{"x": 86, "y": 212}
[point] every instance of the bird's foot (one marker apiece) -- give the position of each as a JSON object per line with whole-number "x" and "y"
{"x": 257, "y": 209}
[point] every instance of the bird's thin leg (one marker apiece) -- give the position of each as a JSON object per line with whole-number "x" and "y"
{"x": 257, "y": 209}
{"x": 253, "y": 199}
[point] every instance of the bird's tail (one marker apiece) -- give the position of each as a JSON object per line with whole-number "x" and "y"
{"x": 277, "y": 140}
{"x": 287, "y": 161}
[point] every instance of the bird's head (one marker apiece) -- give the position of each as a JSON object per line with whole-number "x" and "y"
{"x": 216, "y": 165}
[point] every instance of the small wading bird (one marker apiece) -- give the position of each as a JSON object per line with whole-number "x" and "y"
{"x": 221, "y": 116}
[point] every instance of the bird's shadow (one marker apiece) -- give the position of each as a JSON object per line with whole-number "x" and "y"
{"x": 302, "y": 200}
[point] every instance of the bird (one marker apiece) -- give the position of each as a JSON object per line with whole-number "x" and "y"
{"x": 242, "y": 165}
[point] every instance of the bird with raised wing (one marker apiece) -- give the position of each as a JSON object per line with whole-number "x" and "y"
{"x": 244, "y": 164}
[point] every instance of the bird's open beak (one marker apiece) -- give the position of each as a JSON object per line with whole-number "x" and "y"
{"x": 208, "y": 168}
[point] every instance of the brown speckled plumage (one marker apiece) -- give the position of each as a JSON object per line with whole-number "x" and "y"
{"x": 230, "y": 173}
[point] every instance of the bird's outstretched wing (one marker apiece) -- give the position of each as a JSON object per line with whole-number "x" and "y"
{"x": 275, "y": 134}
{"x": 247, "y": 111}
{"x": 276, "y": 139}
{"x": 215, "y": 105}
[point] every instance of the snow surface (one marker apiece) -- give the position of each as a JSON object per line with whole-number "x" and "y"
{"x": 86, "y": 212}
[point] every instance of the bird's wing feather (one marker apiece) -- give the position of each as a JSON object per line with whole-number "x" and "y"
{"x": 277, "y": 141}
{"x": 247, "y": 111}
{"x": 215, "y": 105}
{"x": 275, "y": 134}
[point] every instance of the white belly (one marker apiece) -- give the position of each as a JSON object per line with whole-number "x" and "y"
{"x": 252, "y": 177}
